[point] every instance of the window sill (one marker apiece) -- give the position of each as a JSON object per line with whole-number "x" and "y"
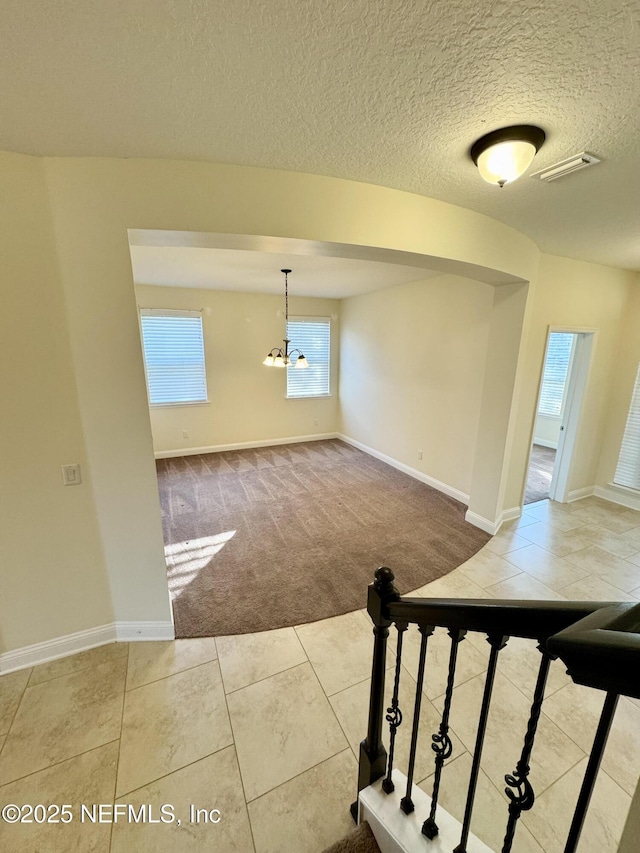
{"x": 309, "y": 397}
{"x": 178, "y": 405}
{"x": 625, "y": 490}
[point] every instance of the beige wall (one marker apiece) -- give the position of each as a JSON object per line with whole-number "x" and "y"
{"x": 622, "y": 382}
{"x": 83, "y": 556}
{"x": 247, "y": 400}
{"x": 52, "y": 571}
{"x": 94, "y": 203}
{"x": 497, "y": 422}
{"x": 82, "y": 361}
{"x": 412, "y": 367}
{"x": 572, "y": 295}
{"x": 392, "y": 412}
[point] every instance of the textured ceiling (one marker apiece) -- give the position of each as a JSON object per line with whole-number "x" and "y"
{"x": 391, "y": 92}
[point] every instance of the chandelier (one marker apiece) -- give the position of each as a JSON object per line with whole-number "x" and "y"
{"x": 278, "y": 357}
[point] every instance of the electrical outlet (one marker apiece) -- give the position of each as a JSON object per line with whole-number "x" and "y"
{"x": 185, "y": 433}
{"x": 419, "y": 454}
{"x": 315, "y": 422}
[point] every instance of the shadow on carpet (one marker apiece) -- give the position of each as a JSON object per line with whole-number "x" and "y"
{"x": 278, "y": 536}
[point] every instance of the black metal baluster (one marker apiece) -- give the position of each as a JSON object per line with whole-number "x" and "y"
{"x": 394, "y": 714}
{"x": 597, "y": 750}
{"x": 441, "y": 741}
{"x": 406, "y": 803}
{"x": 523, "y": 797}
{"x": 373, "y": 755}
{"x": 497, "y": 642}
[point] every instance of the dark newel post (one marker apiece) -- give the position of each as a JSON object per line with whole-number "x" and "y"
{"x": 373, "y": 755}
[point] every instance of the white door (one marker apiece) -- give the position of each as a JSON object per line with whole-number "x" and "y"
{"x": 576, "y": 385}
{"x": 566, "y": 393}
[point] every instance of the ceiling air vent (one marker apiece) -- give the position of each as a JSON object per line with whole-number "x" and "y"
{"x": 565, "y": 167}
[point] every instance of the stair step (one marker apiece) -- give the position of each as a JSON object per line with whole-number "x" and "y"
{"x": 396, "y": 832}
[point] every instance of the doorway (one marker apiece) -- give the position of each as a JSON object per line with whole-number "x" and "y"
{"x": 564, "y": 377}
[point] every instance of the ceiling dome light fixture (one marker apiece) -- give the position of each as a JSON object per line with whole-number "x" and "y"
{"x": 278, "y": 357}
{"x": 504, "y": 155}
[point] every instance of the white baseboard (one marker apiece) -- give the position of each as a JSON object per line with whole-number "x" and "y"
{"x": 130, "y": 632}
{"x": 618, "y": 495}
{"x": 483, "y": 523}
{"x": 243, "y": 445}
{"x": 510, "y": 514}
{"x": 82, "y": 641}
{"x": 492, "y": 527}
{"x": 59, "y": 647}
{"x": 406, "y": 469}
{"x": 579, "y": 494}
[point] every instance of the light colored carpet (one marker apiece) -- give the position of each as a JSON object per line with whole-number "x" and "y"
{"x": 539, "y": 474}
{"x": 278, "y": 536}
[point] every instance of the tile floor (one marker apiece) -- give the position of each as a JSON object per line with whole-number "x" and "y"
{"x": 265, "y": 728}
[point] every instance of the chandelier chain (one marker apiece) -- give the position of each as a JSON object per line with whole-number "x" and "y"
{"x": 286, "y": 299}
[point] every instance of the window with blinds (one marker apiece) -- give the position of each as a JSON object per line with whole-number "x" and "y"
{"x": 312, "y": 336}
{"x": 628, "y": 468}
{"x": 554, "y": 378}
{"x": 173, "y": 356}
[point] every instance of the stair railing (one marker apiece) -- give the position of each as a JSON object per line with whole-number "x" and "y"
{"x": 599, "y": 642}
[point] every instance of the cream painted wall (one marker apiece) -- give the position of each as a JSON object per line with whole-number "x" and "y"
{"x": 622, "y": 382}
{"x": 497, "y": 422}
{"x": 575, "y": 295}
{"x": 247, "y": 400}
{"x": 412, "y": 366}
{"x": 53, "y": 579}
{"x": 212, "y": 197}
{"x": 95, "y": 201}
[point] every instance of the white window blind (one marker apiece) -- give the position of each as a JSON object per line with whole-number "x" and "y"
{"x": 628, "y": 468}
{"x": 173, "y": 356}
{"x": 311, "y": 335}
{"x": 556, "y": 368}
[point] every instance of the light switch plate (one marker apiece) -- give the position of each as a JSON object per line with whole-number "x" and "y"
{"x": 71, "y": 475}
